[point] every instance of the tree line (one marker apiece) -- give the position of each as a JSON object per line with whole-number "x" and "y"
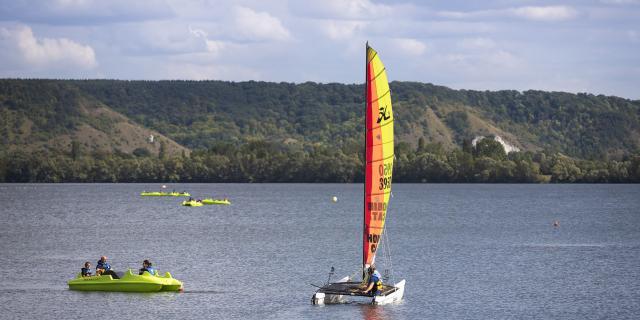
{"x": 264, "y": 161}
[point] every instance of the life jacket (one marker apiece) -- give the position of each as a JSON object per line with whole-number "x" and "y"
{"x": 376, "y": 278}
{"x": 86, "y": 271}
{"x": 149, "y": 269}
{"x": 103, "y": 265}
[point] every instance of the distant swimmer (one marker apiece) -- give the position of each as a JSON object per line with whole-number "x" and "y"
{"x": 556, "y": 223}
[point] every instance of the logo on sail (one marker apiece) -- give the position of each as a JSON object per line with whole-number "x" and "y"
{"x": 383, "y": 114}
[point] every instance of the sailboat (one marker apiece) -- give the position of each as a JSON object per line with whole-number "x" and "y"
{"x": 379, "y": 156}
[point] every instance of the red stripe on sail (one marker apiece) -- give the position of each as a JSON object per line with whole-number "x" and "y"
{"x": 371, "y": 96}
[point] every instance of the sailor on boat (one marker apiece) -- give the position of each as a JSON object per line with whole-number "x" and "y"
{"x": 375, "y": 282}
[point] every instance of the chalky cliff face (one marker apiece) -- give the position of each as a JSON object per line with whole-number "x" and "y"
{"x": 506, "y": 145}
{"x": 379, "y": 154}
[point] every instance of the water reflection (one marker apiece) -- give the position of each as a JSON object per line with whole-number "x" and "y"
{"x": 372, "y": 312}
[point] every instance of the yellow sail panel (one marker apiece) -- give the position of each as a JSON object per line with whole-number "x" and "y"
{"x": 379, "y": 154}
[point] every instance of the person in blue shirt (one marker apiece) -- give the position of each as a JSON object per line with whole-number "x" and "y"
{"x": 86, "y": 271}
{"x": 104, "y": 268}
{"x": 375, "y": 282}
{"x": 147, "y": 266}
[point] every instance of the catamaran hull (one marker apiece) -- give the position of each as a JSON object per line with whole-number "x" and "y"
{"x": 395, "y": 296}
{"x": 321, "y": 298}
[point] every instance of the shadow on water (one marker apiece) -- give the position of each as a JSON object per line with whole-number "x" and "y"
{"x": 59, "y": 290}
{"x": 98, "y": 294}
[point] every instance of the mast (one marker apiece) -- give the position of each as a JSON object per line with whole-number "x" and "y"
{"x": 364, "y": 183}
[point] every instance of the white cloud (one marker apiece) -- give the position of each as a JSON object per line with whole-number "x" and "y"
{"x": 456, "y": 28}
{"x": 71, "y": 3}
{"x": 212, "y": 46}
{"x": 84, "y": 12}
{"x": 165, "y": 38}
{"x": 45, "y": 52}
{"x": 259, "y": 25}
{"x": 477, "y": 43}
{"x": 548, "y": 13}
{"x": 360, "y": 9}
{"x": 408, "y": 46}
{"x": 341, "y": 9}
{"x": 481, "y": 64}
{"x": 494, "y": 44}
{"x": 198, "y": 33}
{"x": 461, "y": 14}
{"x": 340, "y": 29}
{"x": 620, "y": 1}
{"x": 194, "y": 71}
{"x": 215, "y": 46}
{"x": 537, "y": 13}
{"x": 503, "y": 59}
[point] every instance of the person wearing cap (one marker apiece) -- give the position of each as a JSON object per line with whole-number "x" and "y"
{"x": 147, "y": 266}
{"x": 104, "y": 268}
{"x": 375, "y": 282}
{"x": 86, "y": 271}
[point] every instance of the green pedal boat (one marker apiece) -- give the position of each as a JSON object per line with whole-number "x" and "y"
{"x": 129, "y": 282}
{"x": 216, "y": 201}
{"x": 192, "y": 203}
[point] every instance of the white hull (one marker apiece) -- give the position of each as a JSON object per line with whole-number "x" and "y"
{"x": 320, "y": 298}
{"x": 392, "y": 297}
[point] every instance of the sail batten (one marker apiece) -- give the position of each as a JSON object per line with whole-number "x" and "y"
{"x": 386, "y": 124}
{"x": 379, "y": 154}
{"x": 377, "y": 75}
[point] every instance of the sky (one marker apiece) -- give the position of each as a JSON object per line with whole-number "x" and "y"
{"x": 576, "y": 46}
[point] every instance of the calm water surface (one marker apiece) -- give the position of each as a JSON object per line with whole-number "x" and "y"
{"x": 466, "y": 251}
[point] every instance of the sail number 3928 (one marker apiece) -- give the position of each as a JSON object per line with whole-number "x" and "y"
{"x": 385, "y": 171}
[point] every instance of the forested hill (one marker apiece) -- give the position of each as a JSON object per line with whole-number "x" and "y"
{"x": 102, "y": 120}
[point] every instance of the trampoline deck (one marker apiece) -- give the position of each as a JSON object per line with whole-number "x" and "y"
{"x": 352, "y": 289}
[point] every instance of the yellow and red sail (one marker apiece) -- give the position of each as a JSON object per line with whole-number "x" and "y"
{"x": 379, "y": 154}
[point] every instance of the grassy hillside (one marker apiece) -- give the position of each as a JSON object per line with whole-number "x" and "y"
{"x": 258, "y": 131}
{"x": 53, "y": 115}
{"x": 200, "y": 114}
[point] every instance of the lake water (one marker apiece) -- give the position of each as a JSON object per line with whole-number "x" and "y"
{"x": 466, "y": 251}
